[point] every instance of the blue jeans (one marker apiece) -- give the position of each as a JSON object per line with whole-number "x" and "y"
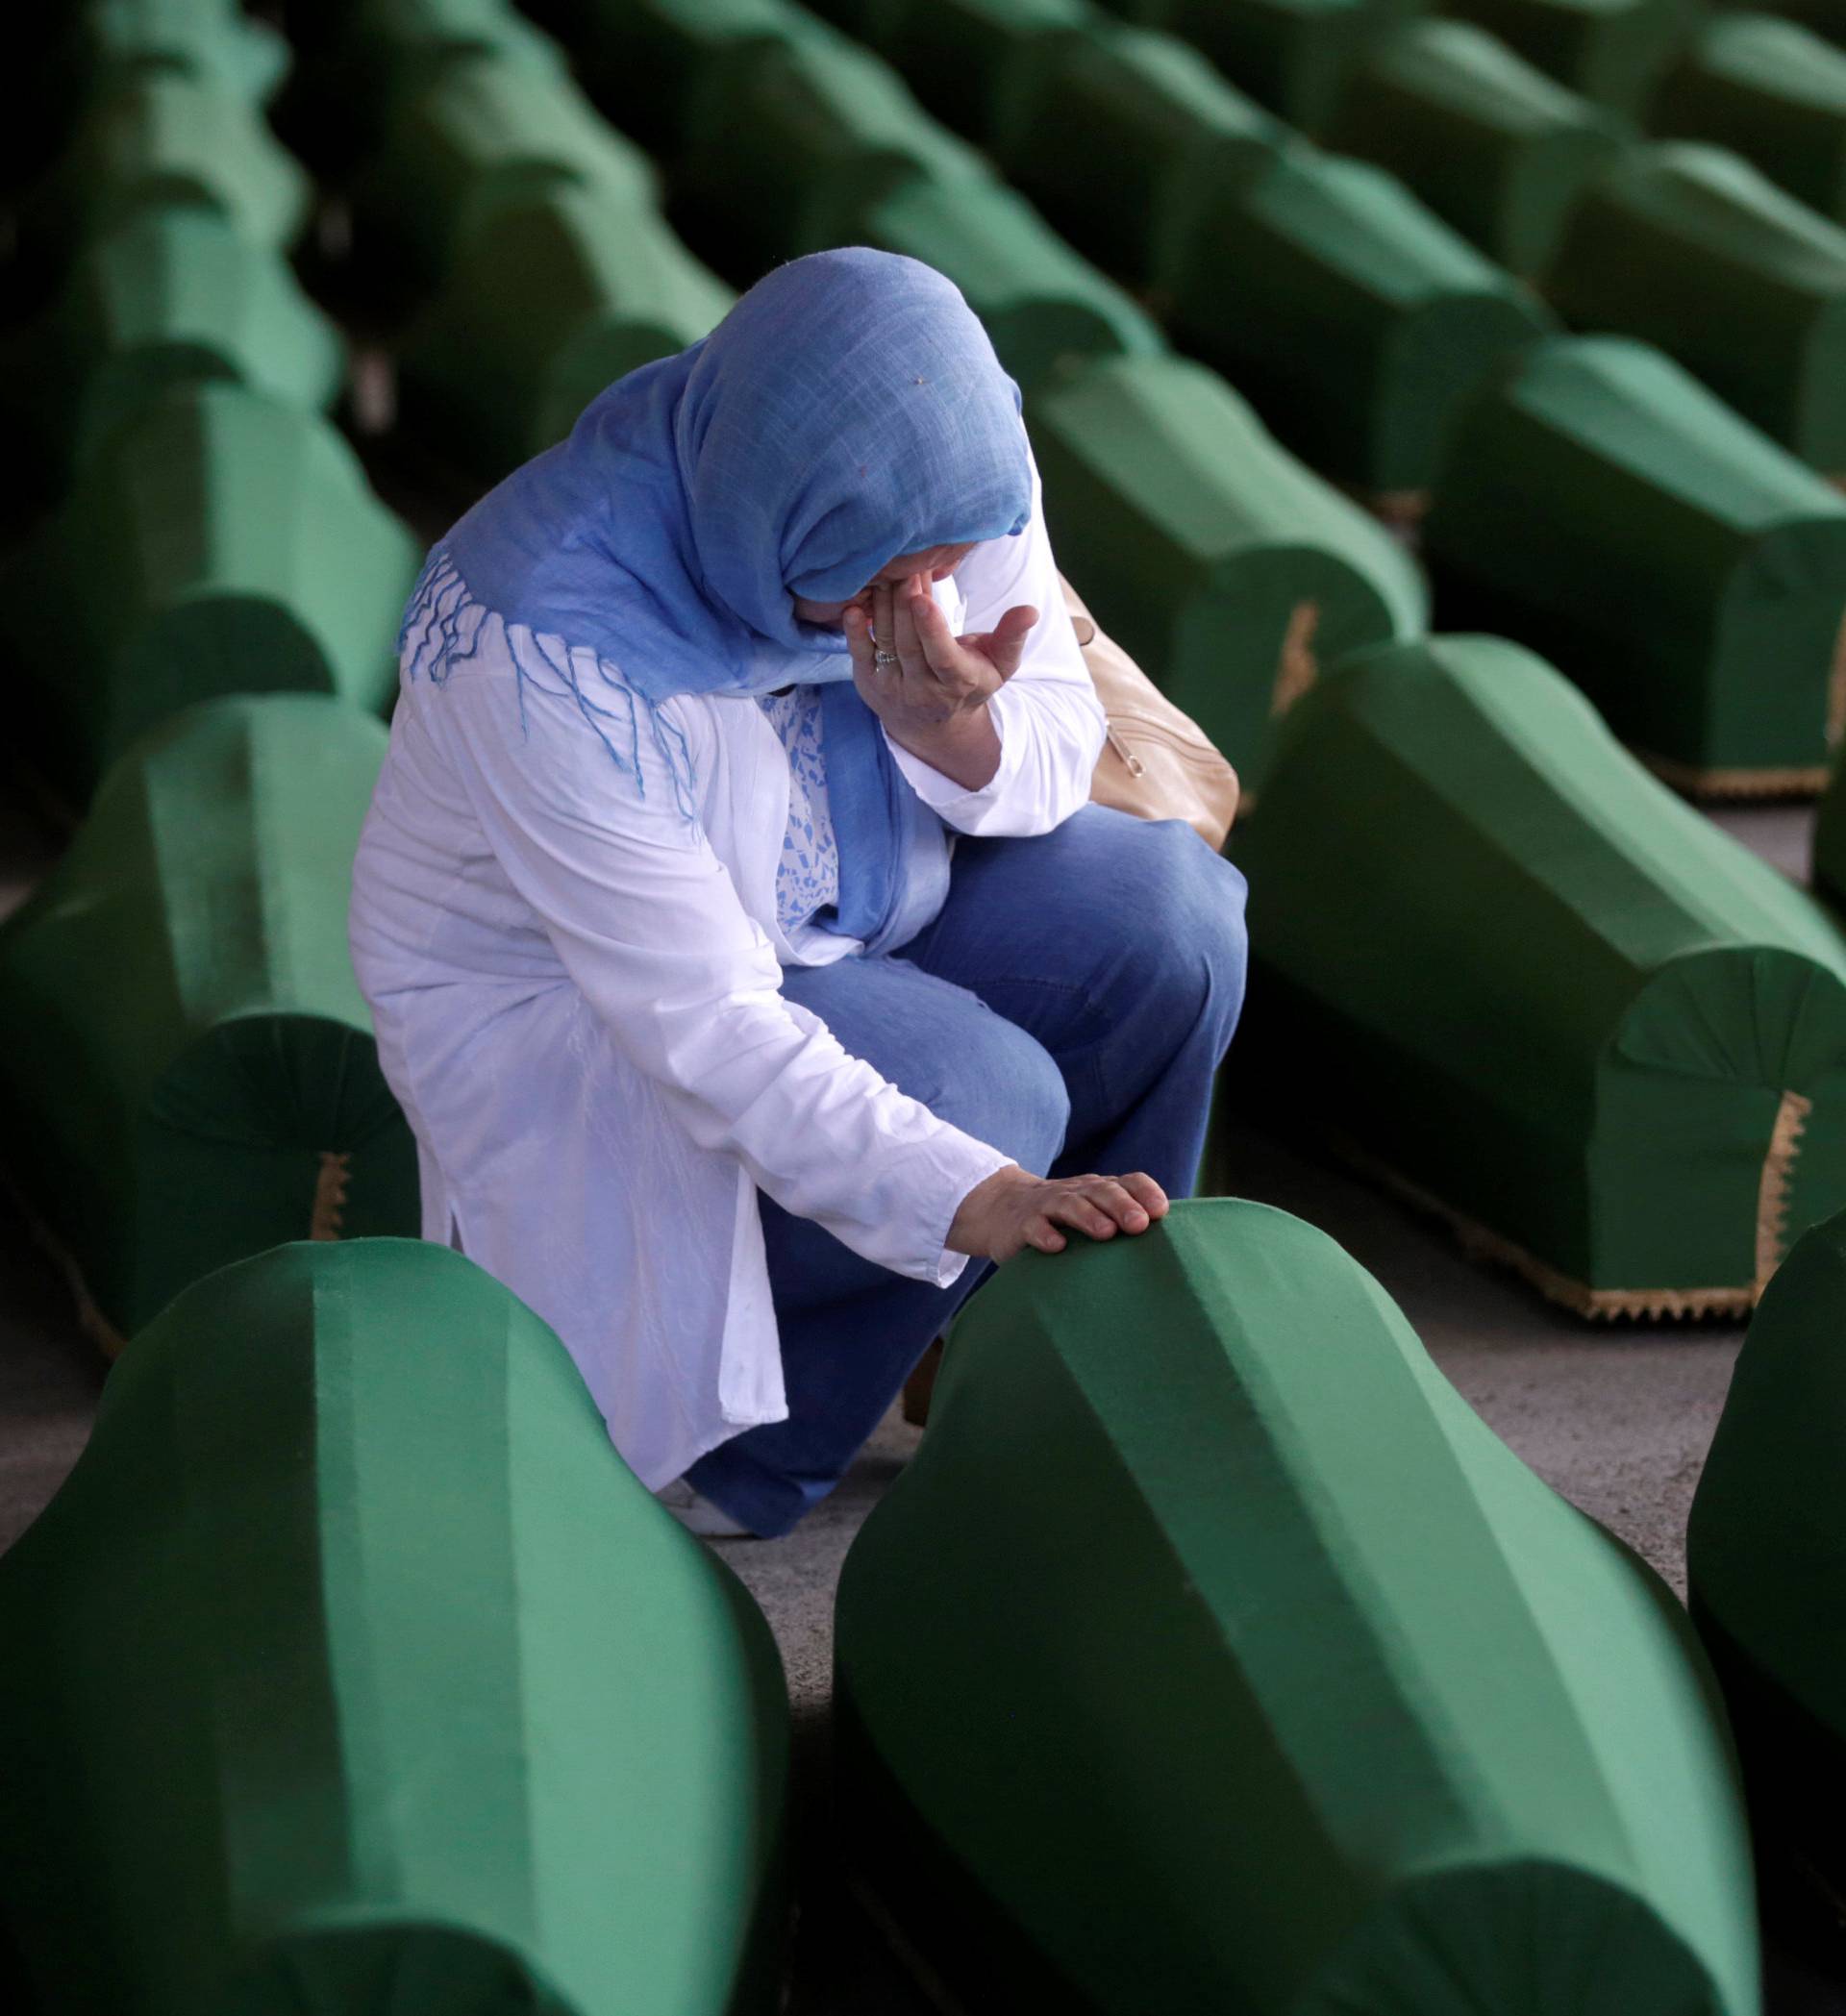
{"x": 1069, "y": 1006}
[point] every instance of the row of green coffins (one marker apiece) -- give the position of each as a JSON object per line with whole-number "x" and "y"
{"x": 351, "y": 1670}
{"x": 1368, "y": 1717}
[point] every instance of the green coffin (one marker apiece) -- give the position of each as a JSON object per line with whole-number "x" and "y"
{"x": 1494, "y": 147}
{"x": 547, "y": 302}
{"x": 787, "y": 143}
{"x": 1828, "y": 866}
{"x": 1773, "y": 92}
{"x": 1610, "y": 50}
{"x": 1560, "y": 1006}
{"x": 187, "y": 1071}
{"x": 1043, "y": 307}
{"x": 170, "y": 295}
{"x": 1103, "y": 129}
{"x": 1212, "y": 1654}
{"x": 352, "y": 1672}
{"x": 1353, "y": 317}
{"x": 221, "y": 543}
{"x": 1222, "y": 565}
{"x": 488, "y": 132}
{"x": 1691, "y": 248}
{"x": 1766, "y": 1556}
{"x": 1602, "y": 506}
{"x": 962, "y": 56}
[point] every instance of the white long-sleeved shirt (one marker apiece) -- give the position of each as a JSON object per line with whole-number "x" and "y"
{"x": 576, "y": 995}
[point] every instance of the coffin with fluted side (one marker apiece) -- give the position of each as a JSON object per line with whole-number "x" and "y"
{"x": 186, "y": 1067}
{"x": 351, "y": 1670}
{"x": 1493, "y": 146}
{"x": 1598, "y": 503}
{"x": 547, "y": 302}
{"x": 1610, "y": 50}
{"x": 1765, "y": 1556}
{"x": 1227, "y": 569}
{"x": 1295, "y": 56}
{"x": 962, "y": 56}
{"x": 1283, "y": 1685}
{"x": 222, "y": 542}
{"x": 1693, "y": 249}
{"x": 1523, "y": 982}
{"x": 1352, "y": 317}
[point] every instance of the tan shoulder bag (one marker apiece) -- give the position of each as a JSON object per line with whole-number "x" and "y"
{"x": 1158, "y": 763}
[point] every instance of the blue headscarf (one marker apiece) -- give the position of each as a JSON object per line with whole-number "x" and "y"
{"x": 849, "y": 409}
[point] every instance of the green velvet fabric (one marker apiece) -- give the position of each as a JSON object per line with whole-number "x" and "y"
{"x": 1767, "y": 1553}
{"x": 487, "y": 131}
{"x": 181, "y": 1040}
{"x": 1614, "y": 51}
{"x": 1222, "y": 565}
{"x": 547, "y": 301}
{"x": 1692, "y": 248}
{"x": 816, "y": 129}
{"x": 1824, "y": 16}
{"x": 1829, "y": 865}
{"x": 1600, "y": 505}
{"x": 1493, "y": 146}
{"x": 961, "y": 57}
{"x": 1358, "y": 318}
{"x": 1043, "y": 307}
{"x": 351, "y": 1670}
{"x": 170, "y": 295}
{"x": 1212, "y": 1654}
{"x": 1103, "y": 129}
{"x": 222, "y": 542}
{"x": 1774, "y": 93}
{"x": 1559, "y": 1002}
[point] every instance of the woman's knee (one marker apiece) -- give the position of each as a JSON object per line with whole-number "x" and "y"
{"x": 1188, "y": 944}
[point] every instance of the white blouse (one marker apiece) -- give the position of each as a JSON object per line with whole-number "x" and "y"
{"x": 577, "y": 1001}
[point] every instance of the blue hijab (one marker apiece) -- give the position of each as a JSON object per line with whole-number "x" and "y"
{"x": 849, "y": 409}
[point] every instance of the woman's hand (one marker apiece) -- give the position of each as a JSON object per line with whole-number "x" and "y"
{"x": 1012, "y": 1208}
{"x": 934, "y": 700}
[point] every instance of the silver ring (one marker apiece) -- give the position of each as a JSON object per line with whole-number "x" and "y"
{"x": 886, "y": 657}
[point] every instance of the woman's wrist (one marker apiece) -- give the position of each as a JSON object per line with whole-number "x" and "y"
{"x": 965, "y": 747}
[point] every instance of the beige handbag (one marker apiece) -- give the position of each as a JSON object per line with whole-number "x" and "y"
{"x": 1158, "y": 763}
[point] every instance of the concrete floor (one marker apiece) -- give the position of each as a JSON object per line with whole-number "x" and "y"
{"x": 1617, "y": 1419}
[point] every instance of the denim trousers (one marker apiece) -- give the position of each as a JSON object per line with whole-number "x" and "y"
{"x": 1069, "y": 1005}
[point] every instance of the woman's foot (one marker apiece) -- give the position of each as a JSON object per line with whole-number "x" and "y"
{"x": 699, "y": 1515}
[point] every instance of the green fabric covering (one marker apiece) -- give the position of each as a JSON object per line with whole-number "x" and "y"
{"x": 1773, "y": 92}
{"x": 485, "y": 131}
{"x": 960, "y": 57}
{"x": 1103, "y": 131}
{"x": 1507, "y": 964}
{"x": 169, "y": 295}
{"x": 1692, "y": 248}
{"x": 1610, "y": 50}
{"x": 1042, "y": 305}
{"x": 1825, "y": 18}
{"x": 1600, "y": 505}
{"x": 1222, "y": 565}
{"x": 181, "y": 1040}
{"x": 221, "y": 543}
{"x": 548, "y": 301}
{"x": 1493, "y": 146}
{"x": 351, "y": 1670}
{"x": 1766, "y": 1555}
{"x": 787, "y": 141}
{"x": 1358, "y": 319}
{"x": 1830, "y": 841}
{"x": 1212, "y": 1654}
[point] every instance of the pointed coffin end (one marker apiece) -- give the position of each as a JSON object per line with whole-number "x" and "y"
{"x": 403, "y": 1968}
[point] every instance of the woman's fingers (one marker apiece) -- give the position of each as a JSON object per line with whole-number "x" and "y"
{"x": 1007, "y": 642}
{"x": 904, "y": 625}
{"x": 1147, "y": 1193}
{"x": 859, "y": 640}
{"x": 882, "y": 619}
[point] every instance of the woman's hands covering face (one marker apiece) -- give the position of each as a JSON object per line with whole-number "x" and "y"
{"x": 937, "y": 675}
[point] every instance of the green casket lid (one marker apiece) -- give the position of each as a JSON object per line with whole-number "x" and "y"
{"x": 547, "y": 302}
{"x": 169, "y": 295}
{"x": 1610, "y": 50}
{"x": 184, "y": 1045}
{"x": 1493, "y": 146}
{"x": 1295, "y": 56}
{"x": 1825, "y": 18}
{"x": 1217, "y": 561}
{"x": 1692, "y": 248}
{"x": 1043, "y": 307}
{"x": 1599, "y": 503}
{"x": 1212, "y": 1653}
{"x": 1104, "y": 126}
{"x": 1358, "y": 319}
{"x": 221, "y": 543}
{"x": 351, "y": 1670}
{"x": 1631, "y": 1080}
{"x": 961, "y": 57}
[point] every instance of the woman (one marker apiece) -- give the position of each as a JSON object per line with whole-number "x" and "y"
{"x": 741, "y": 943}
